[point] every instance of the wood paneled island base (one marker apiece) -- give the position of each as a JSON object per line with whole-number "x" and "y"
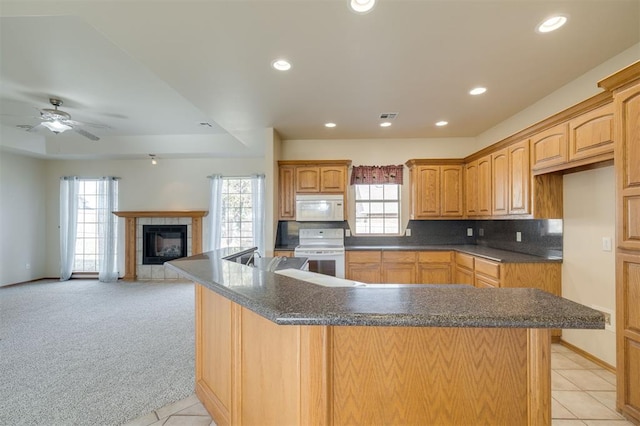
{"x": 251, "y": 371}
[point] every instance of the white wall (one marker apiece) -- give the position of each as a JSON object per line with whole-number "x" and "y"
{"x": 22, "y": 215}
{"x": 588, "y": 272}
{"x": 172, "y": 184}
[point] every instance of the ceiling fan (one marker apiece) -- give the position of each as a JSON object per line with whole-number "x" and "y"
{"x": 59, "y": 121}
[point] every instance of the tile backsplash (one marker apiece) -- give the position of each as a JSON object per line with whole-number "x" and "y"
{"x": 540, "y": 237}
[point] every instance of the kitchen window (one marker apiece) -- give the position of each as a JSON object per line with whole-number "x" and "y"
{"x": 377, "y": 209}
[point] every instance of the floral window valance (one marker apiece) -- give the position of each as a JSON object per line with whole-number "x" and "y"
{"x": 377, "y": 175}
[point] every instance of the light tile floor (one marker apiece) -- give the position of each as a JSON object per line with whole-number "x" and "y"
{"x": 583, "y": 394}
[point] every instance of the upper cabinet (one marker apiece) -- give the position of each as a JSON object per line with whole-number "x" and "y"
{"x": 323, "y": 179}
{"x": 436, "y": 189}
{"x": 585, "y": 139}
{"x": 519, "y": 178}
{"x": 550, "y": 147}
{"x": 591, "y": 134}
{"x": 309, "y": 177}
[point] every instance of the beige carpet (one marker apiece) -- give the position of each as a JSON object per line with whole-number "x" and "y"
{"x": 82, "y": 352}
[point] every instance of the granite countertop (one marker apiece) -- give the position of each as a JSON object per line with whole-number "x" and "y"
{"x": 497, "y": 255}
{"x": 289, "y": 301}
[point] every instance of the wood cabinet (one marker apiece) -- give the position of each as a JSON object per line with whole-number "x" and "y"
{"x": 436, "y": 189}
{"x": 364, "y": 266}
{"x": 485, "y": 194}
{"x": 471, "y": 189}
{"x": 486, "y": 273}
{"x": 464, "y": 269}
{"x": 591, "y": 134}
{"x": 399, "y": 267}
{"x": 500, "y": 183}
{"x": 286, "y": 193}
{"x": 519, "y": 178}
{"x": 283, "y": 253}
{"x": 309, "y": 177}
{"x": 435, "y": 267}
{"x": 626, "y": 98}
{"x": 324, "y": 179}
{"x": 550, "y": 147}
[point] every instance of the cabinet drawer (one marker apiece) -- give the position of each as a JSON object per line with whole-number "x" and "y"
{"x": 482, "y": 282}
{"x": 363, "y": 256}
{"x": 434, "y": 256}
{"x": 488, "y": 268}
{"x": 464, "y": 260}
{"x": 399, "y": 256}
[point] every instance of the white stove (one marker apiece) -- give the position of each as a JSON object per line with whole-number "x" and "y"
{"x": 325, "y": 250}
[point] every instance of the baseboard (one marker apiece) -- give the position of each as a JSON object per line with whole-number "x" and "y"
{"x": 32, "y": 281}
{"x": 588, "y": 356}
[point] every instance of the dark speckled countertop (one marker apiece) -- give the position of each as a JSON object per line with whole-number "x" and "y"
{"x": 289, "y": 301}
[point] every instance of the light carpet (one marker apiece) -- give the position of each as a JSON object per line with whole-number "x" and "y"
{"x": 82, "y": 352}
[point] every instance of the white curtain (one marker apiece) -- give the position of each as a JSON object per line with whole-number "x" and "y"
{"x": 257, "y": 190}
{"x": 214, "y": 217}
{"x": 107, "y": 229}
{"x": 68, "y": 224}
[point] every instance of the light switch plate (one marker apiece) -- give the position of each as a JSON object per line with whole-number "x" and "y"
{"x": 519, "y": 236}
{"x": 407, "y": 232}
{"x": 606, "y": 243}
{"x": 347, "y": 232}
{"x": 469, "y": 232}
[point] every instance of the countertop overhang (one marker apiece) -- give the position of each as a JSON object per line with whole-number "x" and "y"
{"x": 289, "y": 301}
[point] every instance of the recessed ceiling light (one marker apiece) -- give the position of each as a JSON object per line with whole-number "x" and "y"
{"x": 361, "y": 6}
{"x": 281, "y": 65}
{"x": 385, "y": 124}
{"x": 477, "y": 91}
{"x": 329, "y": 124}
{"x": 442, "y": 123}
{"x": 552, "y": 24}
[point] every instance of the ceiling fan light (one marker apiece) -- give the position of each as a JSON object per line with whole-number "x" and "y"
{"x": 56, "y": 126}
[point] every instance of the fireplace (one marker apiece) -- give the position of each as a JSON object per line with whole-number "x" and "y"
{"x": 161, "y": 243}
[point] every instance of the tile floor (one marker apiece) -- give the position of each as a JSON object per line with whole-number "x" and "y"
{"x": 583, "y": 394}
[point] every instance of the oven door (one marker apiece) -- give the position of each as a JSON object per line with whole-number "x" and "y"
{"x": 330, "y": 263}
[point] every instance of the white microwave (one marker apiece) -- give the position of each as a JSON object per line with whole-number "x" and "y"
{"x": 319, "y": 208}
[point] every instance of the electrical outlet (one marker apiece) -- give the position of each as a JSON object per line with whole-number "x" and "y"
{"x": 347, "y": 232}
{"x": 606, "y": 243}
{"x": 481, "y": 232}
{"x": 519, "y": 237}
{"x": 469, "y": 232}
{"x": 407, "y": 232}
{"x": 609, "y": 318}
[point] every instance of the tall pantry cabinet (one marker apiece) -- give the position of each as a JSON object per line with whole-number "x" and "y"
{"x": 626, "y": 97}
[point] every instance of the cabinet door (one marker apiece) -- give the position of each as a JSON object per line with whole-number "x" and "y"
{"x": 471, "y": 188}
{"x": 286, "y": 193}
{"x": 627, "y": 165}
{"x": 550, "y": 147}
{"x": 332, "y": 179}
{"x": 484, "y": 186}
{"x": 364, "y": 272}
{"x": 399, "y": 273}
{"x": 307, "y": 179}
{"x": 519, "y": 178}
{"x": 500, "y": 183}
{"x": 463, "y": 276}
{"x": 364, "y": 266}
{"x": 451, "y": 191}
{"x": 485, "y": 282}
{"x": 434, "y": 273}
{"x": 591, "y": 134}
{"x": 427, "y": 194}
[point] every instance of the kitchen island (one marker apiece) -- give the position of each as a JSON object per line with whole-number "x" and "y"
{"x": 272, "y": 349}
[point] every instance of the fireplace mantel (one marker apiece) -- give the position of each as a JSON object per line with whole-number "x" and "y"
{"x": 130, "y": 233}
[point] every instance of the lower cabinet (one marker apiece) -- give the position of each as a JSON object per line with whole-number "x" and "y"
{"x": 435, "y": 267}
{"x": 399, "y": 267}
{"x": 364, "y": 266}
{"x": 464, "y": 268}
{"x": 283, "y": 253}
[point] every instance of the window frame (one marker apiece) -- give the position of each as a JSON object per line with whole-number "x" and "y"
{"x": 397, "y": 201}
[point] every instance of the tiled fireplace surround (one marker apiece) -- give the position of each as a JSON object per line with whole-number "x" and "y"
{"x": 134, "y": 269}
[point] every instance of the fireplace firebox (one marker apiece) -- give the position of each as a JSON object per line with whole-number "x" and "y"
{"x": 161, "y": 243}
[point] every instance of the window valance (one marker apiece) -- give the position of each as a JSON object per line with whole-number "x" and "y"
{"x": 377, "y": 175}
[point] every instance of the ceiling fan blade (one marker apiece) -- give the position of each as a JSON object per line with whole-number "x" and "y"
{"x": 86, "y": 134}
